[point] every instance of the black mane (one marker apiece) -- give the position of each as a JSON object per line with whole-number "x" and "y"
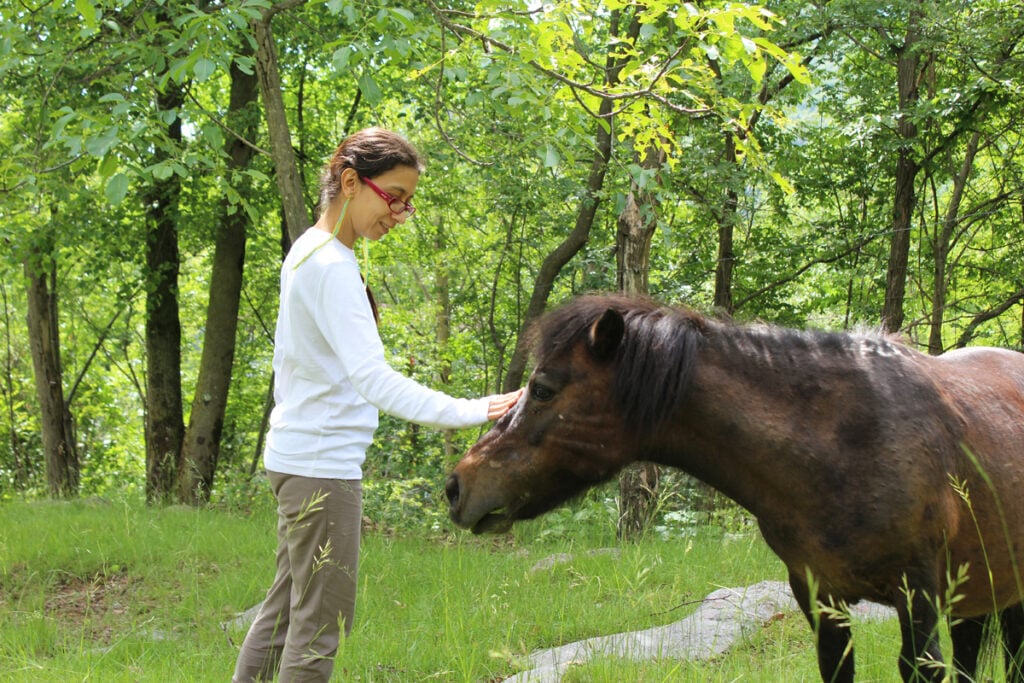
{"x": 655, "y": 361}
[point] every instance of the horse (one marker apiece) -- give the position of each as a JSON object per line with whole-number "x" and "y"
{"x": 874, "y": 471}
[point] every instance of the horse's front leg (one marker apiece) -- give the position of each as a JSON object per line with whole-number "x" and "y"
{"x": 1011, "y": 621}
{"x": 967, "y": 635}
{"x": 920, "y": 656}
{"x": 831, "y": 635}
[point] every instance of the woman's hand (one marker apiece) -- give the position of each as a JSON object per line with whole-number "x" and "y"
{"x": 502, "y": 403}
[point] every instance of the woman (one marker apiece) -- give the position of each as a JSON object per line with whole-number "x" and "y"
{"x": 331, "y": 381}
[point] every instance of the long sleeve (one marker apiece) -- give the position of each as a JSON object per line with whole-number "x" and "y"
{"x": 332, "y": 374}
{"x": 341, "y": 309}
{"x": 349, "y": 327}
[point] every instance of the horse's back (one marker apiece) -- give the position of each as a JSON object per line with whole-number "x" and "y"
{"x": 986, "y": 386}
{"x": 986, "y": 382}
{"x": 981, "y": 360}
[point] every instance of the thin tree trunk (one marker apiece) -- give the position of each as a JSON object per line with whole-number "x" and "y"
{"x": 943, "y": 243}
{"x": 294, "y": 217}
{"x": 637, "y": 224}
{"x": 907, "y": 69}
{"x": 564, "y": 252}
{"x": 164, "y": 425}
{"x": 19, "y": 464}
{"x": 443, "y": 325}
{"x": 201, "y": 449}
{"x": 61, "y": 452}
{"x": 575, "y": 240}
{"x": 726, "y": 222}
{"x": 286, "y": 172}
{"x": 726, "y": 214}
{"x": 268, "y": 407}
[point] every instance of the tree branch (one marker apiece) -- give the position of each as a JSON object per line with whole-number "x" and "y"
{"x": 984, "y": 316}
{"x": 860, "y": 244}
{"x": 227, "y": 129}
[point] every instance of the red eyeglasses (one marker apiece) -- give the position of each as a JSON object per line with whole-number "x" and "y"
{"x": 395, "y": 205}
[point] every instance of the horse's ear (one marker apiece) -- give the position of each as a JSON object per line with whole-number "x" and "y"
{"x": 606, "y": 334}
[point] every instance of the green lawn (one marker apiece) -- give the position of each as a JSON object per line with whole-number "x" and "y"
{"x": 116, "y": 591}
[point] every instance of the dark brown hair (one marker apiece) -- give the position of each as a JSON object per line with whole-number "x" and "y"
{"x": 370, "y": 152}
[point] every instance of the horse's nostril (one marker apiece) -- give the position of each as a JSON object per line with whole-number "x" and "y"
{"x": 451, "y": 489}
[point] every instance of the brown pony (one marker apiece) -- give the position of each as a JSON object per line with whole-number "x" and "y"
{"x": 874, "y": 471}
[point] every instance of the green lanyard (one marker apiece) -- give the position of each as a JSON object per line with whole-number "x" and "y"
{"x": 334, "y": 234}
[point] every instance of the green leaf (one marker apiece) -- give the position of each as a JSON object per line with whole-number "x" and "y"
{"x": 551, "y": 156}
{"x": 108, "y": 165}
{"x": 163, "y": 170}
{"x": 340, "y": 57}
{"x": 371, "y": 91}
{"x": 213, "y": 135}
{"x": 88, "y": 12}
{"x": 204, "y": 68}
{"x": 757, "y": 67}
{"x": 246, "y": 65}
{"x": 783, "y": 182}
{"x": 117, "y": 188}
{"x": 733, "y": 48}
{"x": 99, "y": 145}
{"x": 405, "y": 16}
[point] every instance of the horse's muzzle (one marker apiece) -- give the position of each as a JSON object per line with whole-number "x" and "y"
{"x": 451, "y": 491}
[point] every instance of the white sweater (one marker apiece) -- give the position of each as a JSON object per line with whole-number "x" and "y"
{"x": 331, "y": 376}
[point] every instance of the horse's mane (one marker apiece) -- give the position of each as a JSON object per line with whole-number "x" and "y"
{"x": 657, "y": 358}
{"x": 655, "y": 361}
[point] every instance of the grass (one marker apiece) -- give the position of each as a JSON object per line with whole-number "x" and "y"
{"x": 114, "y": 591}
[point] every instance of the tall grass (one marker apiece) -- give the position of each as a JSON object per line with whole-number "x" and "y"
{"x": 116, "y": 591}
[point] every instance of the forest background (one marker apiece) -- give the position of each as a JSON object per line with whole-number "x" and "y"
{"x": 854, "y": 163}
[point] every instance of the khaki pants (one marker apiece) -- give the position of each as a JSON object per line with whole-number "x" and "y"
{"x": 297, "y": 631}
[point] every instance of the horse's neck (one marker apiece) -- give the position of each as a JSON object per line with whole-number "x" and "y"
{"x": 746, "y": 427}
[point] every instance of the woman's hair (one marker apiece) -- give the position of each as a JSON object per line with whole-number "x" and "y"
{"x": 370, "y": 152}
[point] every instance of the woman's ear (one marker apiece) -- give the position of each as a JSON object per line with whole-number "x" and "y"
{"x": 349, "y": 182}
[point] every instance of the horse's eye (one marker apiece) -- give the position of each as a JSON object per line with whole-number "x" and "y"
{"x": 540, "y": 392}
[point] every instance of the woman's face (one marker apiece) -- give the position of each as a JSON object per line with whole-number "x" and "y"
{"x": 370, "y": 215}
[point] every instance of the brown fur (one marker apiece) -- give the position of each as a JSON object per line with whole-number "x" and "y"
{"x": 874, "y": 471}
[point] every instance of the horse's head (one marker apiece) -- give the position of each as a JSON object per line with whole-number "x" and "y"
{"x": 609, "y": 371}
{"x": 561, "y": 438}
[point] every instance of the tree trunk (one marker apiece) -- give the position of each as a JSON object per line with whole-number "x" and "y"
{"x": 575, "y": 240}
{"x": 943, "y": 242}
{"x": 726, "y": 222}
{"x": 164, "y": 426}
{"x": 286, "y": 171}
{"x": 638, "y": 483}
{"x": 61, "y": 452}
{"x": 19, "y": 464}
{"x": 564, "y": 252}
{"x": 637, "y": 224}
{"x": 201, "y": 449}
{"x": 443, "y": 325}
{"x": 907, "y": 68}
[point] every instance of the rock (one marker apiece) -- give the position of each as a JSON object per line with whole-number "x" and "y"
{"x": 564, "y": 558}
{"x": 242, "y": 620}
{"x": 724, "y": 616}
